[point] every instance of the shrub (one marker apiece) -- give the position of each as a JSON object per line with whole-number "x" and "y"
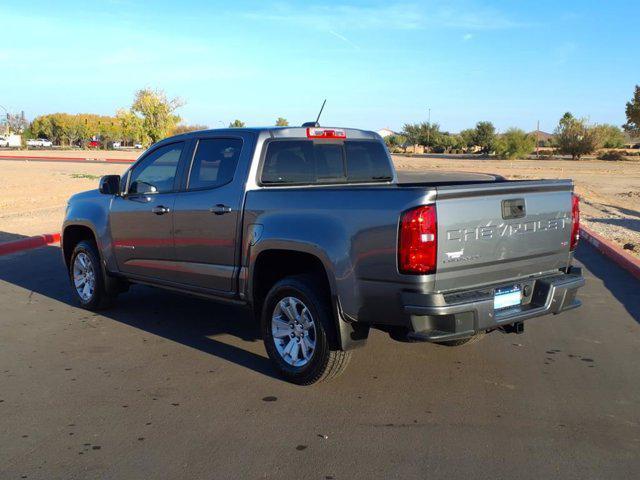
{"x": 576, "y": 138}
{"x": 610, "y": 136}
{"x": 612, "y": 155}
{"x": 484, "y": 136}
{"x": 514, "y": 143}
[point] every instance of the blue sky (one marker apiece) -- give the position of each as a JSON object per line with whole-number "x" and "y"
{"x": 378, "y": 63}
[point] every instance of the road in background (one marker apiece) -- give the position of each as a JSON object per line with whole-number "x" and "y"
{"x": 165, "y": 386}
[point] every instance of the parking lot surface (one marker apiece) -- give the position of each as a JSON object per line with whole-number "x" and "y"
{"x": 167, "y": 386}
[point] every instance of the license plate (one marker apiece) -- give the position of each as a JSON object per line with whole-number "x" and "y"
{"x": 507, "y": 297}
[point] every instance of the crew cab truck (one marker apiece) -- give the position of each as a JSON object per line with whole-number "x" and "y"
{"x": 311, "y": 229}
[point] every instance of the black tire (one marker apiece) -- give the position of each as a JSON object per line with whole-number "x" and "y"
{"x": 103, "y": 295}
{"x": 463, "y": 341}
{"x": 327, "y": 360}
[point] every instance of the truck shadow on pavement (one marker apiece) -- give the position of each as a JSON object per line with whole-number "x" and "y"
{"x": 191, "y": 321}
{"x": 622, "y": 285}
{"x": 195, "y": 322}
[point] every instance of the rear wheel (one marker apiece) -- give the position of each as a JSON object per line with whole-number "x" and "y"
{"x": 299, "y": 332}
{"x": 87, "y": 278}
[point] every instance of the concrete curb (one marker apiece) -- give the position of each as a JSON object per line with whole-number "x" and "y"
{"x": 612, "y": 251}
{"x": 28, "y": 243}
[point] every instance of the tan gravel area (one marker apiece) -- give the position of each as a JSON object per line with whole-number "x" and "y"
{"x": 609, "y": 191}
{"x": 92, "y": 154}
{"x": 33, "y": 195}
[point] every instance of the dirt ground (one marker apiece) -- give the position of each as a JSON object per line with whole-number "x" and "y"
{"x": 92, "y": 154}
{"x": 33, "y": 195}
{"x": 609, "y": 191}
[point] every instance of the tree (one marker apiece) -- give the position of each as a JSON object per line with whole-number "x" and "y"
{"x": 396, "y": 141}
{"x": 514, "y": 143}
{"x": 574, "y": 137}
{"x": 633, "y": 114}
{"x": 130, "y": 127}
{"x": 108, "y": 131}
{"x": 484, "y": 136}
{"x": 236, "y": 124}
{"x": 610, "y": 135}
{"x": 41, "y": 127}
{"x": 445, "y": 142}
{"x": 412, "y": 133}
{"x": 425, "y": 133}
{"x": 76, "y": 130}
{"x": 281, "y": 122}
{"x": 157, "y": 112}
{"x": 467, "y": 137}
{"x": 182, "y": 128}
{"x": 16, "y": 123}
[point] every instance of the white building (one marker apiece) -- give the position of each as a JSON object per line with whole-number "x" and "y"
{"x": 386, "y": 132}
{"x": 12, "y": 140}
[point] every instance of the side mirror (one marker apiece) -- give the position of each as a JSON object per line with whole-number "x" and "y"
{"x": 110, "y": 185}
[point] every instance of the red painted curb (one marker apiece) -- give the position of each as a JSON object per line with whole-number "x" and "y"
{"x": 611, "y": 251}
{"x": 28, "y": 243}
{"x": 26, "y": 158}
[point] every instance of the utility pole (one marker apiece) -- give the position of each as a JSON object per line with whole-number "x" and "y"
{"x": 538, "y": 140}
{"x": 6, "y": 122}
{"x": 429, "y": 129}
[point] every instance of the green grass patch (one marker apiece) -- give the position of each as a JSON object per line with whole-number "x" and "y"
{"x": 85, "y": 175}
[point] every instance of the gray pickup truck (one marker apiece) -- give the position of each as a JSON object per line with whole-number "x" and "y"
{"x": 311, "y": 229}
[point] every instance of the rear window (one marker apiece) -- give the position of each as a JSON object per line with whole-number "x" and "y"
{"x": 309, "y": 162}
{"x": 214, "y": 162}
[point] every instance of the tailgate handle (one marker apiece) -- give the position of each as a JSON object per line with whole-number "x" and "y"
{"x": 513, "y": 208}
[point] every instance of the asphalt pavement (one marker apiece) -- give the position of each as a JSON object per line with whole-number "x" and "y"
{"x": 171, "y": 387}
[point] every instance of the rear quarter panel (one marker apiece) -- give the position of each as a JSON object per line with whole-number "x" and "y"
{"x": 352, "y": 230}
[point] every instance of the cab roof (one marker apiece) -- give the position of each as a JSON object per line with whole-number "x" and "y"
{"x": 285, "y": 132}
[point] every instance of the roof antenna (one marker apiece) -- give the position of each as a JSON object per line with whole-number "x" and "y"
{"x": 317, "y": 122}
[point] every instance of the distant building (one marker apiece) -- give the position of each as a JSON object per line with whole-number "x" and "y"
{"x": 386, "y": 132}
{"x": 543, "y": 138}
{"x": 12, "y": 140}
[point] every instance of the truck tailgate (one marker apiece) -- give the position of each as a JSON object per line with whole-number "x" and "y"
{"x": 489, "y": 233}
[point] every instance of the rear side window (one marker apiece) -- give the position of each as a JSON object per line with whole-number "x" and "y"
{"x": 214, "y": 163}
{"x": 309, "y": 162}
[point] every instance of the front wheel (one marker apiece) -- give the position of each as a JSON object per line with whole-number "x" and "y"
{"x": 87, "y": 279}
{"x": 299, "y": 332}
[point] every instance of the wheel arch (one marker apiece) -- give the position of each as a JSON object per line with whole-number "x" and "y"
{"x": 273, "y": 264}
{"x": 72, "y": 234}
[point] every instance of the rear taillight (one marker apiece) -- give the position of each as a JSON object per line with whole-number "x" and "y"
{"x": 418, "y": 241}
{"x": 325, "y": 133}
{"x": 575, "y": 222}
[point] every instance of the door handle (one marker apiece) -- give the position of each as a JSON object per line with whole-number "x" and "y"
{"x": 160, "y": 210}
{"x": 220, "y": 209}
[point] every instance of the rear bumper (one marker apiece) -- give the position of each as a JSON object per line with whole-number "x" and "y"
{"x": 454, "y": 316}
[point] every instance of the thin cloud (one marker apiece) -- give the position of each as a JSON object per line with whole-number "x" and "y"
{"x": 467, "y": 36}
{"x": 344, "y": 39}
{"x": 564, "y": 53}
{"x": 408, "y": 16}
{"x": 343, "y": 17}
{"x": 473, "y": 18}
